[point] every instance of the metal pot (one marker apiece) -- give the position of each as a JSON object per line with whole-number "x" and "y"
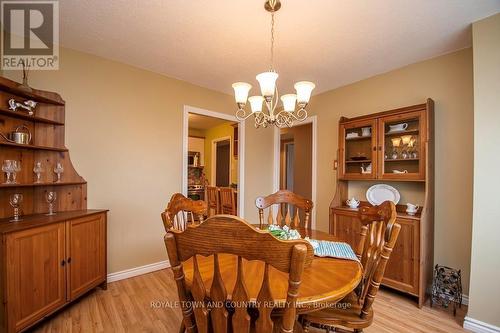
{"x": 20, "y": 136}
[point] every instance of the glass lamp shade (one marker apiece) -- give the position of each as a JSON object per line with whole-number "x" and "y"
{"x": 304, "y": 89}
{"x": 241, "y": 90}
{"x": 289, "y": 102}
{"x": 256, "y": 103}
{"x": 267, "y": 82}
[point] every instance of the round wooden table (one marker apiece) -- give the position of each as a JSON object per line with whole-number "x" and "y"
{"x": 326, "y": 280}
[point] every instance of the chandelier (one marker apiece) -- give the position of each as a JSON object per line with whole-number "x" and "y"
{"x": 293, "y": 106}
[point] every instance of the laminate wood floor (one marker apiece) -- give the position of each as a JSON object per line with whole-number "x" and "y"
{"x": 144, "y": 304}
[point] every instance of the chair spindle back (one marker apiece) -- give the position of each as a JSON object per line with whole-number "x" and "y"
{"x": 379, "y": 234}
{"x": 213, "y": 200}
{"x": 182, "y": 211}
{"x": 227, "y": 201}
{"x": 290, "y": 257}
{"x": 288, "y": 206}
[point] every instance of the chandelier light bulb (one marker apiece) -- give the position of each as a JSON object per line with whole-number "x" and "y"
{"x": 289, "y": 102}
{"x": 304, "y": 89}
{"x": 241, "y": 90}
{"x": 256, "y": 103}
{"x": 267, "y": 82}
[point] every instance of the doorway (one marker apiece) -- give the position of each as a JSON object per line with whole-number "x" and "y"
{"x": 213, "y": 153}
{"x": 222, "y": 162}
{"x": 295, "y": 160}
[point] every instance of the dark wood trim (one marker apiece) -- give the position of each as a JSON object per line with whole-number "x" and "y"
{"x": 37, "y": 95}
{"x": 37, "y": 220}
{"x": 416, "y": 107}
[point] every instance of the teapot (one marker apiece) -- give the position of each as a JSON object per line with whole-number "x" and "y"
{"x": 411, "y": 209}
{"x": 368, "y": 169}
{"x": 21, "y": 135}
{"x": 353, "y": 203}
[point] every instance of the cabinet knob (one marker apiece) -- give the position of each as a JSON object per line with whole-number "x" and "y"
{"x": 63, "y": 262}
{"x": 69, "y": 260}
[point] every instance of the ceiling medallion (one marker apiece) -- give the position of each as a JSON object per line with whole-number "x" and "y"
{"x": 287, "y": 113}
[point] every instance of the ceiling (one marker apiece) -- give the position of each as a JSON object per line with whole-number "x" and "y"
{"x": 215, "y": 43}
{"x": 199, "y": 122}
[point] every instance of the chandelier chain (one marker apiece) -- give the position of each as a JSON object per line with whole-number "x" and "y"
{"x": 272, "y": 41}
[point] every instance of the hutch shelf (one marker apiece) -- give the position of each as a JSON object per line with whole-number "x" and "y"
{"x": 391, "y": 146}
{"x": 46, "y": 262}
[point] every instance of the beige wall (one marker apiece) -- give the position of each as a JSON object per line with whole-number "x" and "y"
{"x": 124, "y": 132}
{"x": 485, "y": 289}
{"x": 447, "y": 80}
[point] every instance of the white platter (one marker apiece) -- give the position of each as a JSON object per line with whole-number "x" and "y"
{"x": 382, "y": 192}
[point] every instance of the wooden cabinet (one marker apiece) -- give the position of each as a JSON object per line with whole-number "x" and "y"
{"x": 46, "y": 261}
{"x": 235, "y": 140}
{"x": 86, "y": 245}
{"x": 48, "y": 264}
{"x": 402, "y": 152}
{"x": 396, "y": 146}
{"x": 35, "y": 274}
{"x": 402, "y": 271}
{"x": 358, "y": 149}
{"x": 390, "y": 145}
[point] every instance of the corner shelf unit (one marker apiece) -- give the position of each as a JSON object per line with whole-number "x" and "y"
{"x": 411, "y": 264}
{"x": 47, "y": 128}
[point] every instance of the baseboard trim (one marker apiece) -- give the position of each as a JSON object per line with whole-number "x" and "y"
{"x": 477, "y": 326}
{"x": 465, "y": 299}
{"x": 128, "y": 273}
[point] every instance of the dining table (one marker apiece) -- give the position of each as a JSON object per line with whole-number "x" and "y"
{"x": 325, "y": 282}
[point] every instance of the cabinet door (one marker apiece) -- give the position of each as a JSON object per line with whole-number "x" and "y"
{"x": 346, "y": 228}
{"x": 402, "y": 268}
{"x": 358, "y": 150}
{"x": 86, "y": 239}
{"x": 402, "y": 140}
{"x": 36, "y": 283}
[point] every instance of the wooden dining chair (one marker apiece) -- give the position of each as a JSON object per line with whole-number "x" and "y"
{"x": 285, "y": 201}
{"x": 182, "y": 211}
{"x": 379, "y": 234}
{"x": 227, "y": 200}
{"x": 216, "y": 236}
{"x": 212, "y": 199}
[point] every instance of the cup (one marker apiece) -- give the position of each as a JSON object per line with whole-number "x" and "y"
{"x": 411, "y": 209}
{"x": 366, "y": 131}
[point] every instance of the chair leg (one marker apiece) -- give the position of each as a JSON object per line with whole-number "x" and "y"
{"x": 182, "y": 329}
{"x": 305, "y": 325}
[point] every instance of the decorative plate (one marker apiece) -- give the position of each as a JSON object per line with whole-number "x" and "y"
{"x": 382, "y": 192}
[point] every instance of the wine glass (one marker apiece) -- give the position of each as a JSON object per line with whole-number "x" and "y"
{"x": 7, "y": 168}
{"x": 51, "y": 196}
{"x": 16, "y": 167}
{"x": 15, "y": 201}
{"x": 38, "y": 169}
{"x": 58, "y": 170}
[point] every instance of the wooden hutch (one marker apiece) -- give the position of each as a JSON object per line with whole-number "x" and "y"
{"x": 46, "y": 261}
{"x": 411, "y": 264}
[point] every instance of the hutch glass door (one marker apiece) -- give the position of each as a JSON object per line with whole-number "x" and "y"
{"x": 402, "y": 142}
{"x": 358, "y": 142}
